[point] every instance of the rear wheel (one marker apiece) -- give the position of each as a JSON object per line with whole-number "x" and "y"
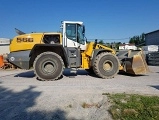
{"x": 106, "y": 65}
{"x": 48, "y": 66}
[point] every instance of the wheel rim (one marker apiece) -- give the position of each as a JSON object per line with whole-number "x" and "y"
{"x": 49, "y": 67}
{"x": 107, "y": 65}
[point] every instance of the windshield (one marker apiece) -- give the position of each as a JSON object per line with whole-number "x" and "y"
{"x": 75, "y": 32}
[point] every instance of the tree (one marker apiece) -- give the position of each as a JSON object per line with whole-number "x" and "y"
{"x": 117, "y": 45}
{"x": 101, "y": 42}
{"x": 108, "y": 45}
{"x": 138, "y": 40}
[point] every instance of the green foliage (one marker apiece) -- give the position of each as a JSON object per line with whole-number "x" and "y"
{"x": 117, "y": 45}
{"x": 101, "y": 42}
{"x": 134, "y": 107}
{"x": 108, "y": 45}
{"x": 114, "y": 45}
{"x": 138, "y": 40}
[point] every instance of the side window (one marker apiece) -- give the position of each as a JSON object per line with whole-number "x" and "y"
{"x": 71, "y": 31}
{"x": 80, "y": 35}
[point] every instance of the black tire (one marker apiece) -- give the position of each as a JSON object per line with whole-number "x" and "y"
{"x": 106, "y": 65}
{"x": 48, "y": 66}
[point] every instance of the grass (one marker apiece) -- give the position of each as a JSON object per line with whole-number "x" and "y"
{"x": 133, "y": 107}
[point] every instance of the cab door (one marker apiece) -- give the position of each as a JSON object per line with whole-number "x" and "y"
{"x": 71, "y": 45}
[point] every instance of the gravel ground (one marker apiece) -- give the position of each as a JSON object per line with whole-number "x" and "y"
{"x": 23, "y": 97}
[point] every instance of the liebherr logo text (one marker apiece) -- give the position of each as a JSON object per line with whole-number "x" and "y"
{"x": 25, "y": 40}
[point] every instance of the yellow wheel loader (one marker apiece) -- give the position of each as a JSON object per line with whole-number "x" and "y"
{"x": 50, "y": 53}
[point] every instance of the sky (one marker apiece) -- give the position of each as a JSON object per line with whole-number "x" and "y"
{"x": 110, "y": 20}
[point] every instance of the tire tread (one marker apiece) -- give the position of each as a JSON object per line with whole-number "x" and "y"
{"x": 52, "y": 53}
{"x": 96, "y": 68}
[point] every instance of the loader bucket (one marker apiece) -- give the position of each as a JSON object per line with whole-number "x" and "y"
{"x": 133, "y": 62}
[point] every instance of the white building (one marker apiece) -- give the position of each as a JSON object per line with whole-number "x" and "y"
{"x": 127, "y": 46}
{"x": 4, "y": 46}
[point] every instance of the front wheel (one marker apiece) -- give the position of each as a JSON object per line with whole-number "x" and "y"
{"x": 106, "y": 65}
{"x": 48, "y": 66}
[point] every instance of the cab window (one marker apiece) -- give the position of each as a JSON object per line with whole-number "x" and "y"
{"x": 71, "y": 31}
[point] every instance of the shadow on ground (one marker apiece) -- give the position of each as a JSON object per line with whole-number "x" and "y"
{"x": 28, "y": 74}
{"x": 67, "y": 73}
{"x": 128, "y": 74}
{"x": 155, "y": 86}
{"x": 13, "y": 106}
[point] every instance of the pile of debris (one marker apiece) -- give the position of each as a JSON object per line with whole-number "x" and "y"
{"x": 4, "y": 64}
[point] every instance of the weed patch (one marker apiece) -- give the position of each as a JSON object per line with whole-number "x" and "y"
{"x": 87, "y": 105}
{"x": 133, "y": 107}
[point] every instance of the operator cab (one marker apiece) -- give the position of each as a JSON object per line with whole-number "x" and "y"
{"x": 73, "y": 34}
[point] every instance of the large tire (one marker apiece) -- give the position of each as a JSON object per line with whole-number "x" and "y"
{"x": 48, "y": 66}
{"x": 106, "y": 65}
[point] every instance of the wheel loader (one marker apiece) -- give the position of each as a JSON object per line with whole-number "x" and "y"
{"x": 50, "y": 53}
